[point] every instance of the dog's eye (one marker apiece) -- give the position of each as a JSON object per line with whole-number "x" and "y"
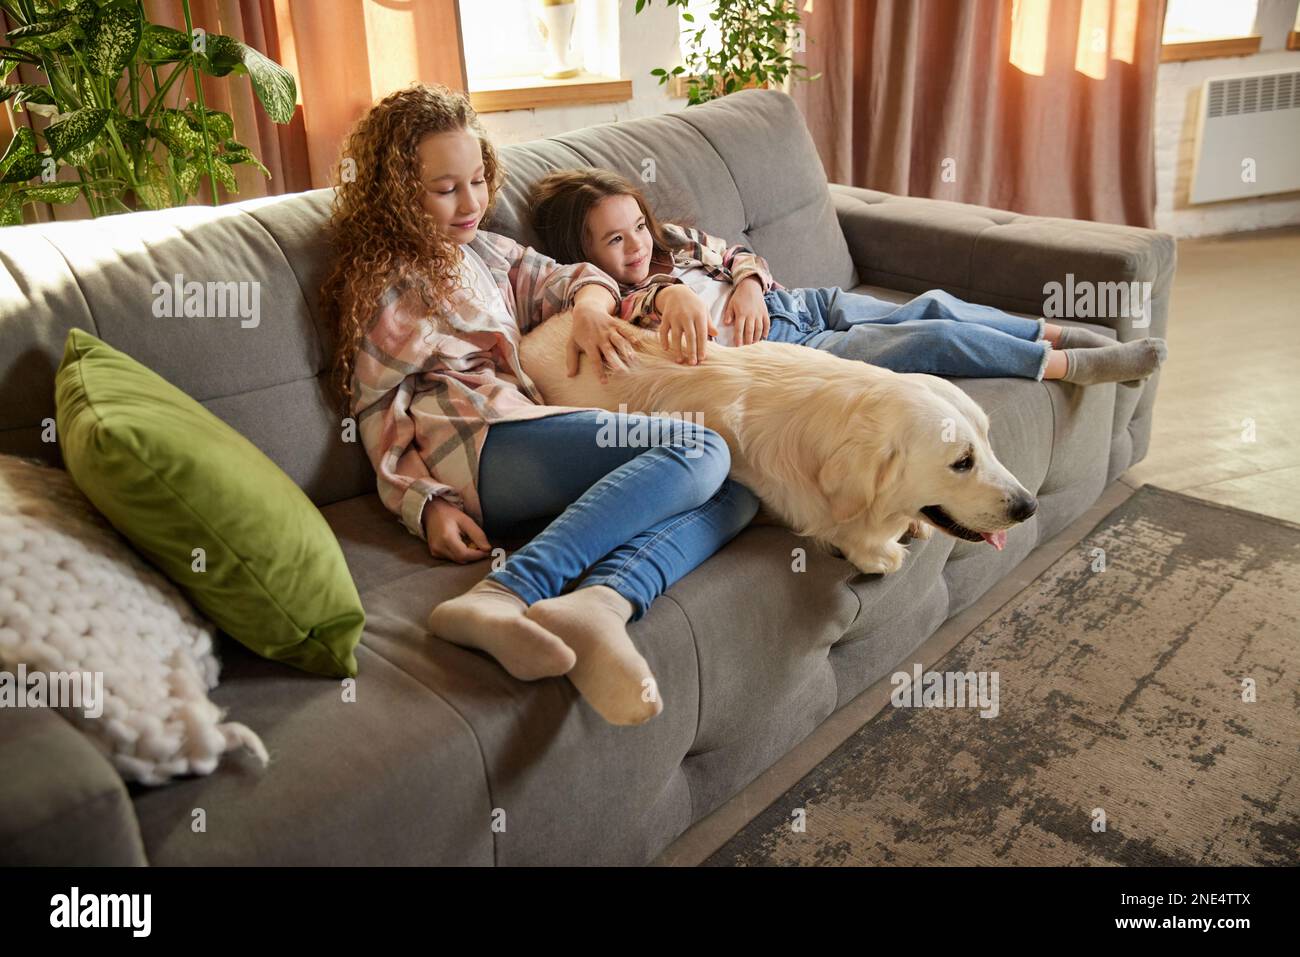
{"x": 964, "y": 464}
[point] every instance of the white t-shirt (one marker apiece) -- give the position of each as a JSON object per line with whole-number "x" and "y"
{"x": 477, "y": 279}
{"x": 715, "y": 295}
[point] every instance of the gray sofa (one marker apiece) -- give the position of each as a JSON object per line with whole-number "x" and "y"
{"x": 441, "y": 742}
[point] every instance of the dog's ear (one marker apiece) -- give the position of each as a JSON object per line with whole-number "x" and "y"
{"x": 855, "y": 475}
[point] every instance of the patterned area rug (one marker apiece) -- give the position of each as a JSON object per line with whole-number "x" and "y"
{"x": 1147, "y": 712}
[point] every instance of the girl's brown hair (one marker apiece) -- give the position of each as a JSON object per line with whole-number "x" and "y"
{"x": 380, "y": 234}
{"x": 560, "y": 202}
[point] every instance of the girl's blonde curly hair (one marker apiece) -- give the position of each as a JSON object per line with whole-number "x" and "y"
{"x": 380, "y": 235}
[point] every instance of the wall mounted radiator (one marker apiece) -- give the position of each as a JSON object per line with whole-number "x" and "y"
{"x": 1247, "y": 137}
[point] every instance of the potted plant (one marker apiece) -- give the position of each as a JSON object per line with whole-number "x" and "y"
{"x": 107, "y": 74}
{"x": 756, "y": 40}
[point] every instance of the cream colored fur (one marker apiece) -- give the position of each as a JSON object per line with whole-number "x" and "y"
{"x": 841, "y": 451}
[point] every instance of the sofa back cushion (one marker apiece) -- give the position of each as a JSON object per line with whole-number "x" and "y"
{"x": 116, "y": 278}
{"x": 743, "y": 167}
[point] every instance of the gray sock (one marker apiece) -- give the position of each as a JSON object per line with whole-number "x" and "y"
{"x": 1123, "y": 362}
{"x": 1073, "y": 337}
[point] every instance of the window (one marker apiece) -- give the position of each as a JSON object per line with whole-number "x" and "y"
{"x": 1196, "y": 29}
{"x": 506, "y": 57}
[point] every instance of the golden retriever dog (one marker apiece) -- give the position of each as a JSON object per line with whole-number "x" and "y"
{"x": 848, "y": 454}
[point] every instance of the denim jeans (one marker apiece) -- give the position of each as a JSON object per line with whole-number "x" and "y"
{"x": 935, "y": 333}
{"x": 639, "y": 516}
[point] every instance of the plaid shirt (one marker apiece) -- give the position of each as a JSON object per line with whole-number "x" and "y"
{"x": 427, "y": 386}
{"x": 692, "y": 248}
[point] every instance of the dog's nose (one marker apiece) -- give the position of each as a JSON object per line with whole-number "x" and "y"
{"x": 1022, "y": 507}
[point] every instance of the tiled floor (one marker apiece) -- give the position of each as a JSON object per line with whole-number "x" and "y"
{"x": 1227, "y": 429}
{"x": 1234, "y": 349}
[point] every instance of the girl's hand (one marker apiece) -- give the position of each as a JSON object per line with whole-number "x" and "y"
{"x": 452, "y": 534}
{"x": 684, "y": 323}
{"x": 604, "y": 338}
{"x": 748, "y": 311}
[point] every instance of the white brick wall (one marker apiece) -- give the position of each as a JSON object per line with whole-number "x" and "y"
{"x": 1178, "y": 87}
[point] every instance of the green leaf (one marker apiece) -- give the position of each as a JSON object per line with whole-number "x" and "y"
{"x": 82, "y": 155}
{"x": 18, "y": 56}
{"x": 20, "y": 161}
{"x": 114, "y": 38}
{"x": 177, "y": 133}
{"x": 26, "y": 93}
{"x": 130, "y": 131}
{"x": 11, "y": 213}
{"x": 161, "y": 44}
{"x": 226, "y": 177}
{"x": 78, "y": 129}
{"x": 221, "y": 54}
{"x": 155, "y": 192}
{"x": 234, "y": 152}
{"x": 54, "y": 193}
{"x": 220, "y": 125}
{"x": 50, "y": 34}
{"x": 273, "y": 84}
{"x": 189, "y": 178}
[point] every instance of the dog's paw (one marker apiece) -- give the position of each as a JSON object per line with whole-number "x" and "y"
{"x": 883, "y": 561}
{"x": 919, "y": 530}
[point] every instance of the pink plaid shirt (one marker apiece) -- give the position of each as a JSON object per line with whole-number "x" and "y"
{"x": 428, "y": 386}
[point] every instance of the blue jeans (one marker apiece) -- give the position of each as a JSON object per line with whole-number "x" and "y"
{"x": 935, "y": 333}
{"x": 638, "y": 515}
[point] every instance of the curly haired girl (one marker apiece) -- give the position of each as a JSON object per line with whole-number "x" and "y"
{"x": 429, "y": 310}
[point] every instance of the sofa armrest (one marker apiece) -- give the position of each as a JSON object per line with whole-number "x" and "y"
{"x": 61, "y": 801}
{"x": 1008, "y": 260}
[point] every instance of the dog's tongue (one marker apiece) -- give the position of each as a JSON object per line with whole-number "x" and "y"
{"x": 996, "y": 539}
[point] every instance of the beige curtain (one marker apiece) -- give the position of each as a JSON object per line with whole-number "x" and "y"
{"x": 1039, "y": 106}
{"x": 344, "y": 54}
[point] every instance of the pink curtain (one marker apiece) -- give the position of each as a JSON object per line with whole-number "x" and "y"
{"x": 1039, "y": 106}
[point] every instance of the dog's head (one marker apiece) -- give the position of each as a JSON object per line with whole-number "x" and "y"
{"x": 919, "y": 449}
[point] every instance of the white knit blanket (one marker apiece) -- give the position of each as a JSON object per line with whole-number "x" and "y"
{"x": 75, "y": 599}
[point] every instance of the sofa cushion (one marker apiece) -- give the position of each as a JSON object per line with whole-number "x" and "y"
{"x": 390, "y": 775}
{"x": 173, "y": 478}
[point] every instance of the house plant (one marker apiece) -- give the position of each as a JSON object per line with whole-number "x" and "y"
{"x": 756, "y": 38}
{"x": 107, "y": 75}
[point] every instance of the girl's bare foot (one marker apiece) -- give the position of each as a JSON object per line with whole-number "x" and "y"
{"x": 610, "y": 673}
{"x": 491, "y": 617}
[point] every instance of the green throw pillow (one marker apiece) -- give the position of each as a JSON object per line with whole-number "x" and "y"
{"x": 173, "y": 478}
